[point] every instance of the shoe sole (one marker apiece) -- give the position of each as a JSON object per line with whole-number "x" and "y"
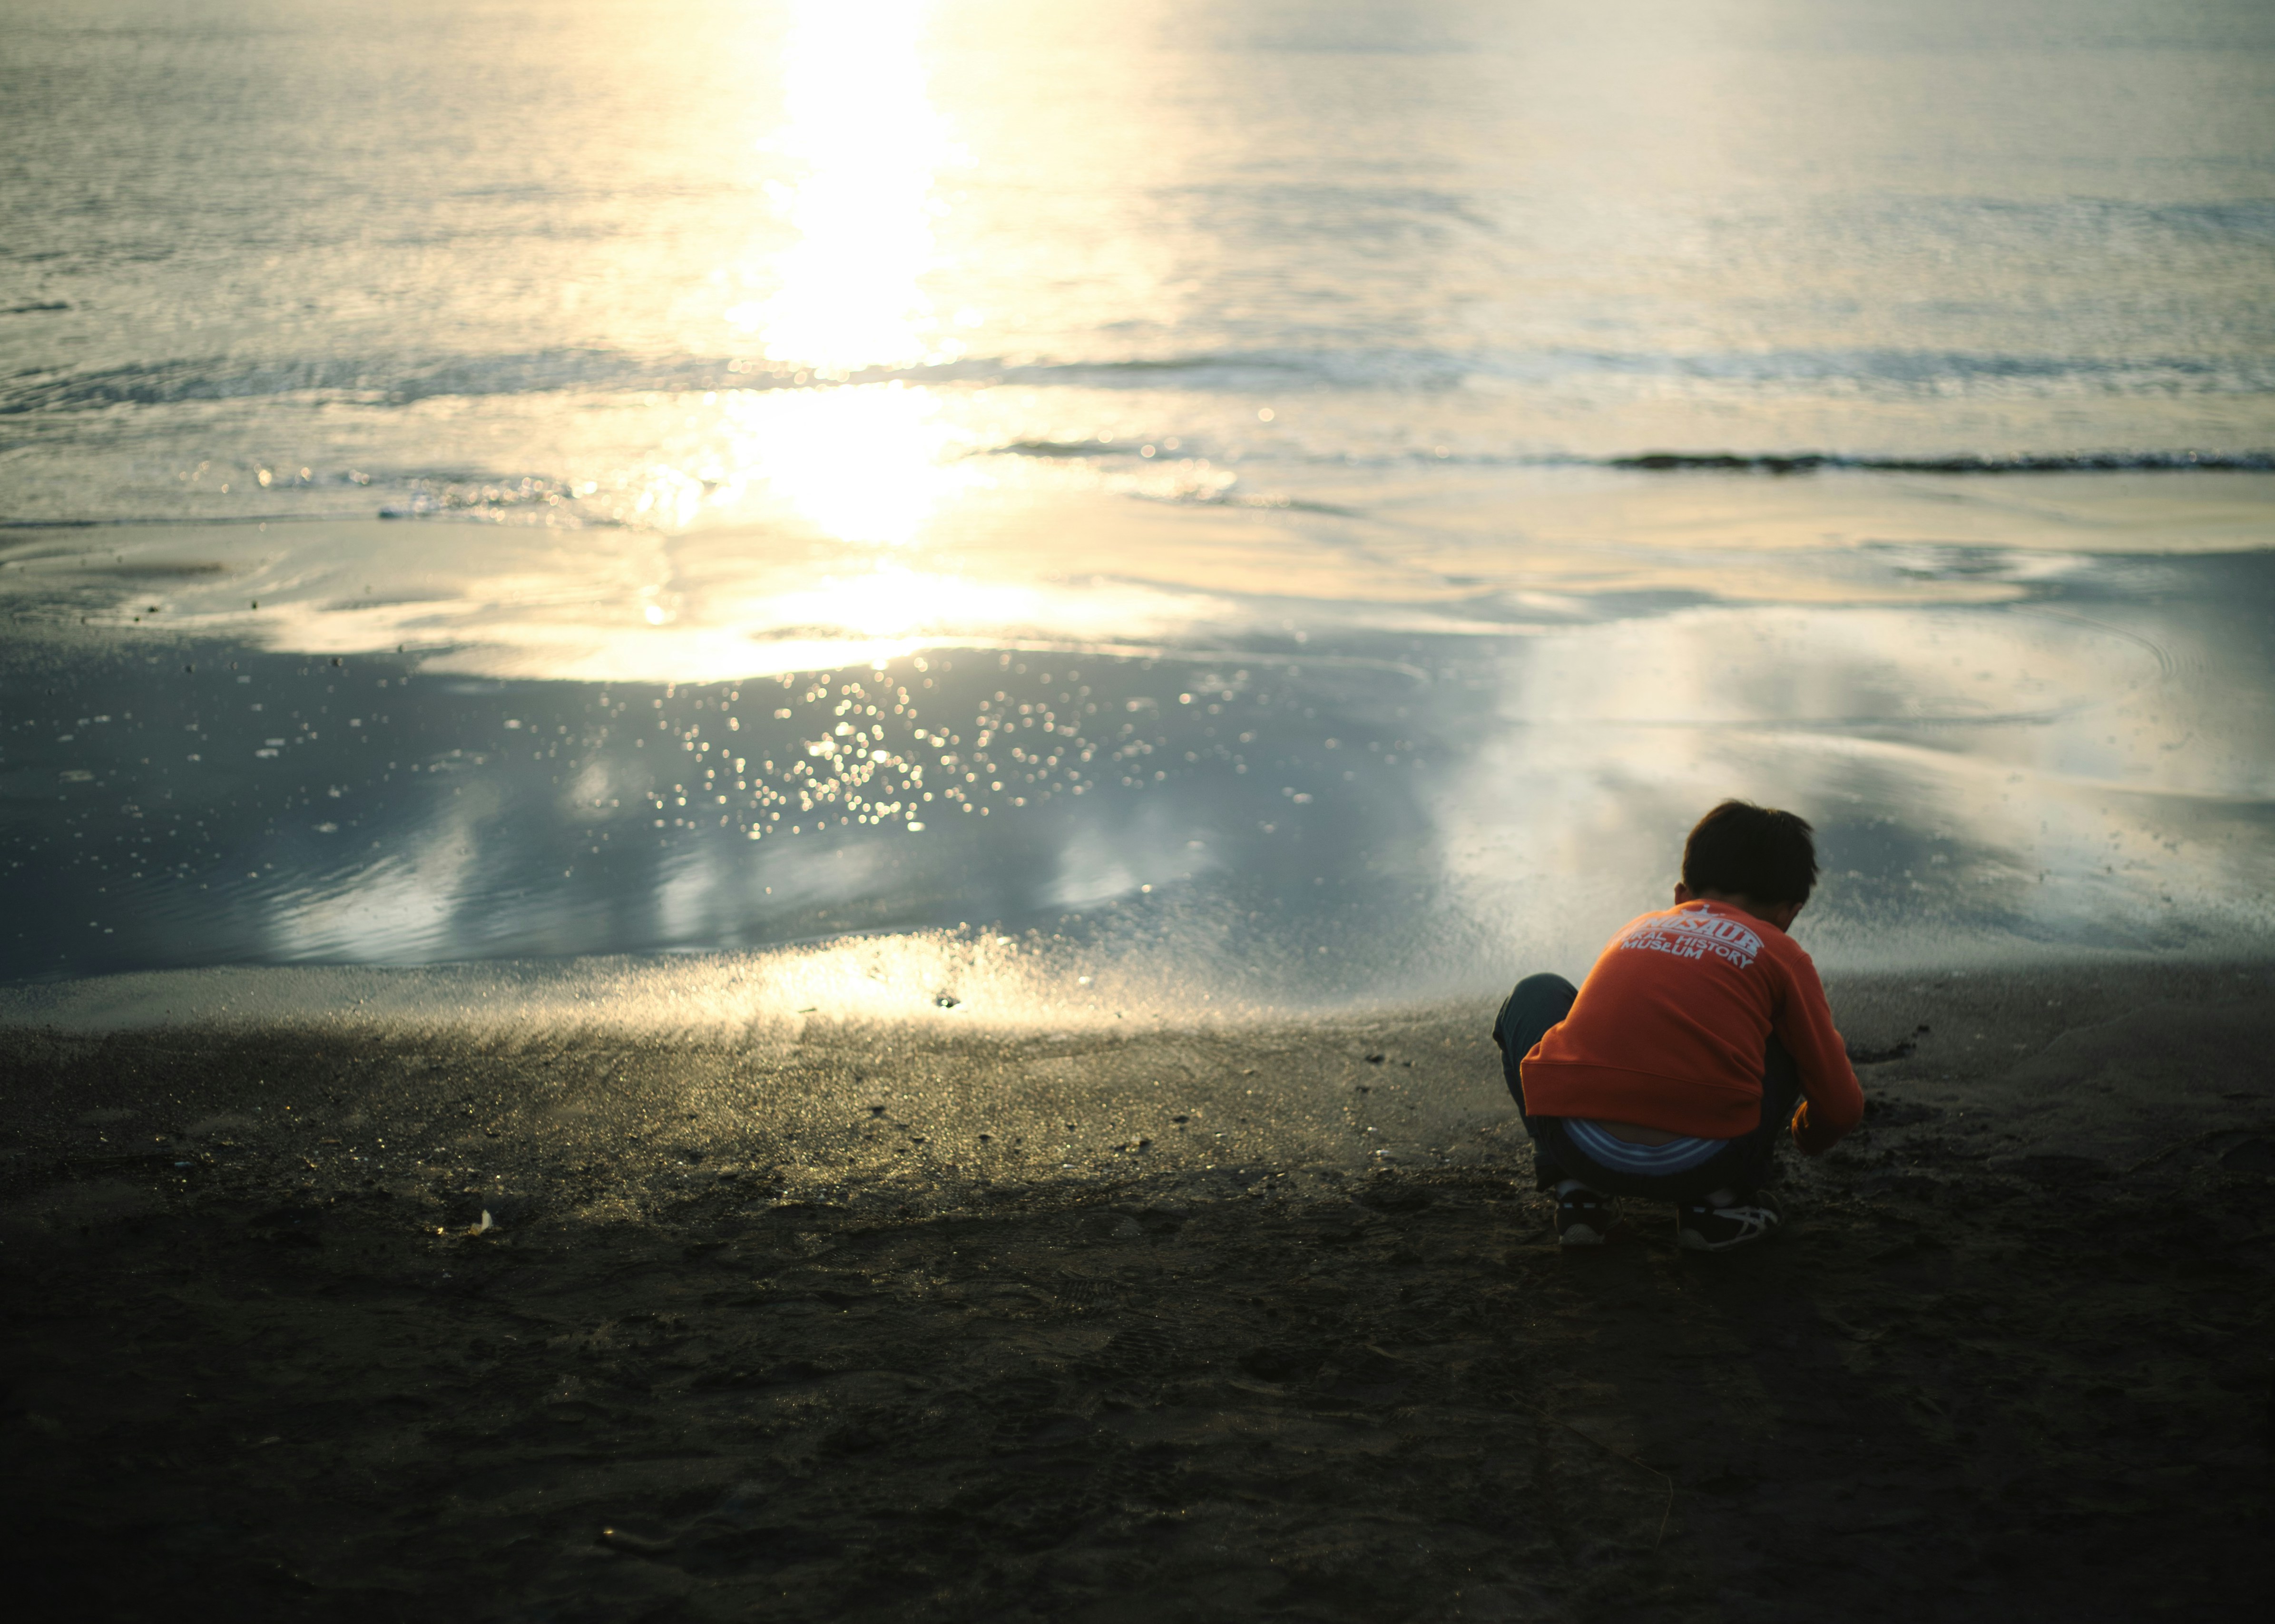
{"x": 1691, "y": 1241}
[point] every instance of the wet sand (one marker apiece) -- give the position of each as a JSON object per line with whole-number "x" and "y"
{"x": 841, "y": 1357}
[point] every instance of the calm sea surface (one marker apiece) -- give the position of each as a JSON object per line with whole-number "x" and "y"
{"x": 1055, "y": 511}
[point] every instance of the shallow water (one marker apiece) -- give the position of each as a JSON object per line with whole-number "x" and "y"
{"x": 1254, "y": 468}
{"x": 1279, "y": 802}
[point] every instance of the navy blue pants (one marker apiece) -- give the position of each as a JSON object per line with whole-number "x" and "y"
{"x": 1745, "y": 1163}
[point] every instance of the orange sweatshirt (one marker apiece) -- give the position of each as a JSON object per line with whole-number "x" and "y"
{"x": 1669, "y": 1029}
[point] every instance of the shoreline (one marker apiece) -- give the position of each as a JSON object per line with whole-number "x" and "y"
{"x": 2019, "y": 1324}
{"x": 946, "y": 1112}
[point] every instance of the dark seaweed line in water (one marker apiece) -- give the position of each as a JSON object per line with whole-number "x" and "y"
{"x": 1722, "y": 462}
{"x": 1824, "y": 724}
{"x": 2089, "y": 462}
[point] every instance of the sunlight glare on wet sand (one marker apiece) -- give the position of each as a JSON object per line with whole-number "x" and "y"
{"x": 864, "y": 463}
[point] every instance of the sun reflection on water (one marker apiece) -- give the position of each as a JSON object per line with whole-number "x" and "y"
{"x": 864, "y": 463}
{"x": 850, "y": 292}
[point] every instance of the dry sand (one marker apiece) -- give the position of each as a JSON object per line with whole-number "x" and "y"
{"x": 775, "y": 1334}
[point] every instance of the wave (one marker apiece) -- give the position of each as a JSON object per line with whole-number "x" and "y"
{"x": 402, "y": 379}
{"x": 415, "y": 495}
{"x": 375, "y": 380}
{"x": 1897, "y": 372}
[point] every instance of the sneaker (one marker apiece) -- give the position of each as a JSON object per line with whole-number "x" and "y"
{"x": 1700, "y": 1228}
{"x": 1582, "y": 1218}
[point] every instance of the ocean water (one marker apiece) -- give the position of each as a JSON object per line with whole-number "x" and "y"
{"x": 1168, "y": 511}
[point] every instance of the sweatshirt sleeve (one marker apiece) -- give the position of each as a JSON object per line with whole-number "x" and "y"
{"x": 1831, "y": 1101}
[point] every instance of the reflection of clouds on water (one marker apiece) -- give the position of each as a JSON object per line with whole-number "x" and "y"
{"x": 1978, "y": 778}
{"x": 1131, "y": 851}
{"x": 1406, "y": 799}
{"x": 1844, "y": 671}
{"x": 404, "y": 908}
{"x": 597, "y": 793}
{"x": 1092, "y": 869}
{"x": 717, "y": 892}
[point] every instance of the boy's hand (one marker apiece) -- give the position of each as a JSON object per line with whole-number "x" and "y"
{"x": 1812, "y": 1137}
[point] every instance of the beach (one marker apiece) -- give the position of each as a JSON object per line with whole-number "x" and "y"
{"x": 767, "y": 767}
{"x": 855, "y": 1361}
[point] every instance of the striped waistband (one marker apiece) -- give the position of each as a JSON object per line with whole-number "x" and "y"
{"x": 1608, "y": 1150}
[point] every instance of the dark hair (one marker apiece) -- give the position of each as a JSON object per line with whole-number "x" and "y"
{"x": 1741, "y": 850}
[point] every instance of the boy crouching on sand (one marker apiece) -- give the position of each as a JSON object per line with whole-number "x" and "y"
{"x": 1671, "y": 1074}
